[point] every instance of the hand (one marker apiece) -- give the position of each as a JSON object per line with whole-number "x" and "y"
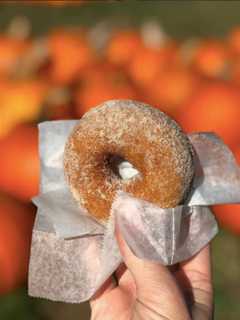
{"x": 144, "y": 290}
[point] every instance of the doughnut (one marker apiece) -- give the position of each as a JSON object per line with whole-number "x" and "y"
{"x": 127, "y": 132}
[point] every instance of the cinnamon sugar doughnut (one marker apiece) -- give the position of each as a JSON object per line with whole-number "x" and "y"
{"x": 144, "y": 136}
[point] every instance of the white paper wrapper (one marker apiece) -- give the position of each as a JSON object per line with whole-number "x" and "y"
{"x": 72, "y": 254}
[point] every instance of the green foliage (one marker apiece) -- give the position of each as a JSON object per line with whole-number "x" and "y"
{"x": 18, "y": 305}
{"x": 226, "y": 275}
{"x": 180, "y": 18}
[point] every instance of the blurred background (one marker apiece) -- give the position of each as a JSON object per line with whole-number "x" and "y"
{"x": 60, "y": 58}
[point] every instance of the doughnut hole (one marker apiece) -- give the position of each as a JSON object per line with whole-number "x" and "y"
{"x": 122, "y": 168}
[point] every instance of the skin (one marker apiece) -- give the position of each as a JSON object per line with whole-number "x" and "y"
{"x": 144, "y": 290}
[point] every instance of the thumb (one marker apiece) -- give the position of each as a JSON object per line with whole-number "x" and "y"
{"x": 157, "y": 290}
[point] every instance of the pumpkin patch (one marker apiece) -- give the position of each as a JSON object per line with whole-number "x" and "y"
{"x": 63, "y": 74}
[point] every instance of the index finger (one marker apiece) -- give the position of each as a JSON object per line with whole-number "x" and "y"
{"x": 199, "y": 264}
{"x": 195, "y": 278}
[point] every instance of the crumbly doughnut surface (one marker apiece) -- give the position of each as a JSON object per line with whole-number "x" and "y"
{"x": 144, "y": 136}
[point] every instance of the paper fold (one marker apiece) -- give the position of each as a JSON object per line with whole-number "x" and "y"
{"x": 72, "y": 254}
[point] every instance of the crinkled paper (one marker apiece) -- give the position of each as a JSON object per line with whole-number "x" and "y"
{"x": 72, "y": 254}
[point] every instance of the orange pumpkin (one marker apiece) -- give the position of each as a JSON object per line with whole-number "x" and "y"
{"x": 92, "y": 95}
{"x": 112, "y": 85}
{"x": 171, "y": 88}
{"x": 16, "y": 223}
{"x": 235, "y": 72}
{"x": 70, "y": 53}
{"x": 19, "y": 162}
{"x": 234, "y": 41}
{"x": 122, "y": 47}
{"x": 215, "y": 107}
{"x": 100, "y": 71}
{"x": 11, "y": 50}
{"x": 211, "y": 58}
{"x": 148, "y": 61}
{"x": 20, "y": 101}
{"x": 228, "y": 215}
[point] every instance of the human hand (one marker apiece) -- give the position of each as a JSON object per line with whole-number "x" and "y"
{"x": 145, "y": 290}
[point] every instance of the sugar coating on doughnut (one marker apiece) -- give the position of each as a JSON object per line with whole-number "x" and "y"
{"x": 140, "y": 134}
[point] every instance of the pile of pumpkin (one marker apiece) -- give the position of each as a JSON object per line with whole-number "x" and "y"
{"x": 66, "y": 72}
